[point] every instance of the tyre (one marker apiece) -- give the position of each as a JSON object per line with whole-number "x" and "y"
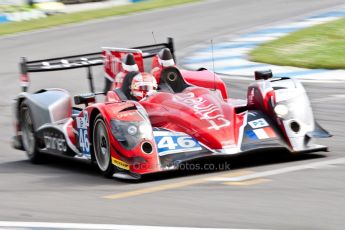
{"x": 101, "y": 147}
{"x": 28, "y": 134}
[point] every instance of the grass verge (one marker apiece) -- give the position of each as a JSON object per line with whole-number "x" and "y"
{"x": 15, "y": 27}
{"x": 13, "y": 8}
{"x": 320, "y": 46}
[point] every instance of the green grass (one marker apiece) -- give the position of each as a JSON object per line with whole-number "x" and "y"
{"x": 13, "y": 8}
{"x": 321, "y": 46}
{"x": 15, "y": 27}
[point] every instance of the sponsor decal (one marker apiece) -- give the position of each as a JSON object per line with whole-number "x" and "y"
{"x": 169, "y": 143}
{"x": 126, "y": 114}
{"x": 82, "y": 127}
{"x": 66, "y": 64}
{"x": 205, "y": 110}
{"x": 119, "y": 163}
{"x": 54, "y": 142}
{"x": 262, "y": 133}
{"x": 251, "y": 96}
{"x": 110, "y": 63}
{"x": 258, "y": 123}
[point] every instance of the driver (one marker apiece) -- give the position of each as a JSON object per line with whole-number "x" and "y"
{"x": 143, "y": 85}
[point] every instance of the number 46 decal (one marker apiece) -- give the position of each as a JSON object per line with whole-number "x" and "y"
{"x": 84, "y": 141}
{"x": 169, "y": 142}
{"x": 173, "y": 144}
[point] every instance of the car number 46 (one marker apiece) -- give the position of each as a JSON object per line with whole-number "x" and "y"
{"x": 175, "y": 143}
{"x": 84, "y": 141}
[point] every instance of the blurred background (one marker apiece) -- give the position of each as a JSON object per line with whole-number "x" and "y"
{"x": 21, "y": 10}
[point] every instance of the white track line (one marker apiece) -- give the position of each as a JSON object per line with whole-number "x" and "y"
{"x": 319, "y": 164}
{"x": 242, "y": 45}
{"x": 96, "y": 226}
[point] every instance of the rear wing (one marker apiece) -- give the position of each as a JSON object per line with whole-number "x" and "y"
{"x": 80, "y": 61}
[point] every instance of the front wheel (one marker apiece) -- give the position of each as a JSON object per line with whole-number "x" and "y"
{"x": 28, "y": 134}
{"x": 101, "y": 147}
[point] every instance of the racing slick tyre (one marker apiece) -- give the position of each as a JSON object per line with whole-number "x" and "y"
{"x": 101, "y": 147}
{"x": 28, "y": 134}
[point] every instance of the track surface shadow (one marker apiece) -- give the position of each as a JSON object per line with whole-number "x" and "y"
{"x": 77, "y": 168}
{"x": 249, "y": 160}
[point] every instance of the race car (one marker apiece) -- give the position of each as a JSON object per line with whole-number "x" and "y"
{"x": 189, "y": 117}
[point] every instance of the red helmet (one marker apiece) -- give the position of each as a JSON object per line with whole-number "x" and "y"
{"x": 143, "y": 84}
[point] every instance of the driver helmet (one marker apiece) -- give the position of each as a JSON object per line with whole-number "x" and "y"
{"x": 143, "y": 85}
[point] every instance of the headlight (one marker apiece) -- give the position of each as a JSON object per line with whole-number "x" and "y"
{"x": 145, "y": 129}
{"x": 281, "y": 110}
{"x": 132, "y": 130}
{"x": 129, "y": 134}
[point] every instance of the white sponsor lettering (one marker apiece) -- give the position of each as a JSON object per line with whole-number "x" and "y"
{"x": 208, "y": 112}
{"x": 48, "y": 65}
{"x": 55, "y": 143}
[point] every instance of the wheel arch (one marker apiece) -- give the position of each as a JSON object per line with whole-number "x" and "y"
{"x": 17, "y": 107}
{"x": 94, "y": 113}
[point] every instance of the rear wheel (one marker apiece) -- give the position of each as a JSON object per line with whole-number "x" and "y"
{"x": 28, "y": 134}
{"x": 101, "y": 147}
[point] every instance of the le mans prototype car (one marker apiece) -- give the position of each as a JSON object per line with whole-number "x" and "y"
{"x": 190, "y": 116}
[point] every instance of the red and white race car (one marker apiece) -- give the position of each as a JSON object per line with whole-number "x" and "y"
{"x": 189, "y": 117}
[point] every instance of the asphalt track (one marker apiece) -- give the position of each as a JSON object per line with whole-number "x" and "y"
{"x": 284, "y": 192}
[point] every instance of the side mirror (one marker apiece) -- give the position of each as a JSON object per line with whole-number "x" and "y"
{"x": 85, "y": 99}
{"x": 264, "y": 74}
